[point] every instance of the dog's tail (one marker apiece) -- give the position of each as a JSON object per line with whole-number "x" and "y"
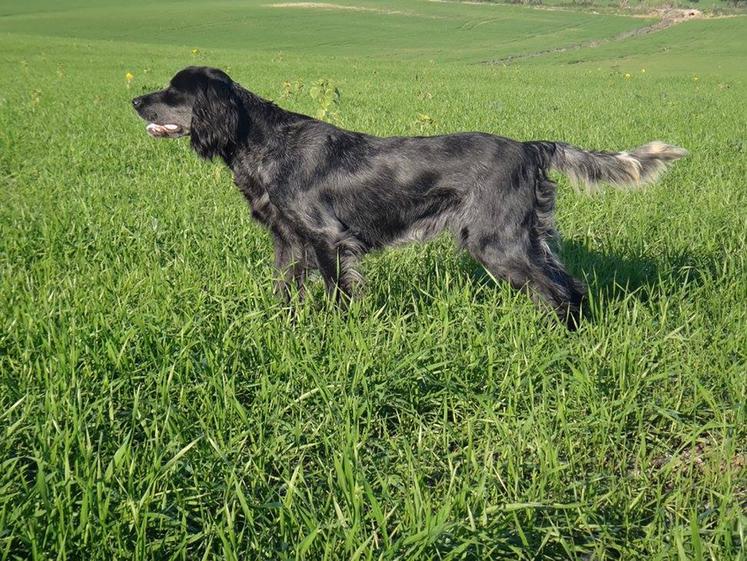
{"x": 622, "y": 169}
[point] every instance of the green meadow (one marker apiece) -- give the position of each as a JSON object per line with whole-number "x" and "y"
{"x": 157, "y": 402}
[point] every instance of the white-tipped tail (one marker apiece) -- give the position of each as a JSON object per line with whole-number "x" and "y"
{"x": 634, "y": 168}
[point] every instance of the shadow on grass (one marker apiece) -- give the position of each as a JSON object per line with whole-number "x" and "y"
{"x": 631, "y": 272}
{"x": 615, "y": 276}
{"x": 609, "y": 276}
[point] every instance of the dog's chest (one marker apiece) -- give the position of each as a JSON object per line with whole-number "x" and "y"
{"x": 257, "y": 197}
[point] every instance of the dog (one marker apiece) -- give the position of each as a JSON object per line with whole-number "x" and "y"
{"x": 329, "y": 196}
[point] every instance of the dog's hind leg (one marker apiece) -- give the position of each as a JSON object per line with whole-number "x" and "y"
{"x": 532, "y": 267}
{"x": 556, "y": 287}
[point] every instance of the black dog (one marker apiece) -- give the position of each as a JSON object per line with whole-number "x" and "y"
{"x": 329, "y": 195}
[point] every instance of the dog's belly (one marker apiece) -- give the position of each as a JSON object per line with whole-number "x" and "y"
{"x": 422, "y": 230}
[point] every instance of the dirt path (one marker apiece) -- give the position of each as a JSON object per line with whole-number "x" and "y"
{"x": 668, "y": 19}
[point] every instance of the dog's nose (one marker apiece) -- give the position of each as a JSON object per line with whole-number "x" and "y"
{"x": 137, "y": 102}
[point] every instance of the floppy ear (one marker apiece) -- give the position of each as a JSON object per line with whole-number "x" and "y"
{"x": 219, "y": 121}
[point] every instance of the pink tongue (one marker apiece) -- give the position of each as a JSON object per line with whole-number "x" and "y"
{"x": 153, "y": 127}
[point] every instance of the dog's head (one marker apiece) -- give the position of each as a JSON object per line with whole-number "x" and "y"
{"x": 200, "y": 102}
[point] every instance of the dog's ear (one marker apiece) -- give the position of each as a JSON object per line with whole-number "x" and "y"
{"x": 219, "y": 121}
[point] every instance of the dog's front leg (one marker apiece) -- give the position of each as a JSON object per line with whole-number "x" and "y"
{"x": 335, "y": 266}
{"x": 291, "y": 266}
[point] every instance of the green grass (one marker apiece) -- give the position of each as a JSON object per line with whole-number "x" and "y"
{"x": 156, "y": 401}
{"x": 403, "y": 29}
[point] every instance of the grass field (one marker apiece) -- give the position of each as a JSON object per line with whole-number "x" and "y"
{"x": 156, "y": 401}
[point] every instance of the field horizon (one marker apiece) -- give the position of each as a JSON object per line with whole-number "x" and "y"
{"x": 157, "y": 402}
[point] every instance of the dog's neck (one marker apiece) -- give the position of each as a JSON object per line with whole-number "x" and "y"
{"x": 267, "y": 128}
{"x": 266, "y": 120}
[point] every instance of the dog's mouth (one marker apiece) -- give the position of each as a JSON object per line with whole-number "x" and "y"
{"x": 166, "y": 131}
